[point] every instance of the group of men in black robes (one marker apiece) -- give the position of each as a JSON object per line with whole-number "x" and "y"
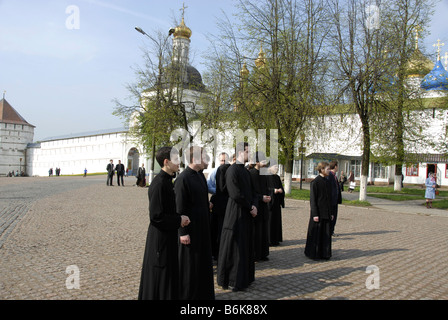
{"x": 178, "y": 262}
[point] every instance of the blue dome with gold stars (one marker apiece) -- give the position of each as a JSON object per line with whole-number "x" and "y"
{"x": 437, "y": 79}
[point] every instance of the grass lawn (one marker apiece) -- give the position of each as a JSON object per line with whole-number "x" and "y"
{"x": 406, "y": 194}
{"x": 395, "y": 197}
{"x": 388, "y": 193}
{"x": 304, "y": 194}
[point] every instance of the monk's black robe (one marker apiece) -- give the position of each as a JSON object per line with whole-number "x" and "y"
{"x": 236, "y": 264}
{"x": 261, "y": 221}
{"x": 195, "y": 259}
{"x": 318, "y": 242}
{"x": 160, "y": 270}
{"x": 219, "y": 200}
{"x": 275, "y": 209}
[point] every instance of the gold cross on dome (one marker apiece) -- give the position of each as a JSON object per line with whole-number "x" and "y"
{"x": 183, "y": 10}
{"x": 417, "y": 30}
{"x": 438, "y": 45}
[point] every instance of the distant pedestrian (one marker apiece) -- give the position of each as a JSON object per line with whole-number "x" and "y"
{"x": 430, "y": 193}
{"x": 342, "y": 180}
{"x": 110, "y": 173}
{"x": 318, "y": 240}
{"x": 351, "y": 181}
{"x": 141, "y": 176}
{"x": 50, "y": 172}
{"x": 85, "y": 172}
{"x": 120, "y": 172}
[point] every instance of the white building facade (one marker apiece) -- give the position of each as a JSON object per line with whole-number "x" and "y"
{"x": 91, "y": 151}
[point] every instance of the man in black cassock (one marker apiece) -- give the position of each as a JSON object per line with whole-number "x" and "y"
{"x": 318, "y": 241}
{"x": 218, "y": 201}
{"x": 160, "y": 270}
{"x": 261, "y": 221}
{"x": 277, "y": 193}
{"x": 336, "y": 196}
{"x": 236, "y": 265}
{"x": 195, "y": 252}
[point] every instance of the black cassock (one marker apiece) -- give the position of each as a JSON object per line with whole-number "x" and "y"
{"x": 275, "y": 209}
{"x": 318, "y": 242}
{"x": 236, "y": 264}
{"x": 219, "y": 200}
{"x": 195, "y": 259}
{"x": 160, "y": 269}
{"x": 261, "y": 221}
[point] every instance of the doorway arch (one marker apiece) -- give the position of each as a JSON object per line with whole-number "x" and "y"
{"x": 133, "y": 161}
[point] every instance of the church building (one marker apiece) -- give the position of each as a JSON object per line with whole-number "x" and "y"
{"x": 92, "y": 151}
{"x": 427, "y": 81}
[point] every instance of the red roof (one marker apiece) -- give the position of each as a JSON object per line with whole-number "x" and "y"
{"x": 9, "y": 115}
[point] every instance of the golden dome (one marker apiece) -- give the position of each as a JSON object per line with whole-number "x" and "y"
{"x": 261, "y": 60}
{"x": 182, "y": 31}
{"x": 418, "y": 65}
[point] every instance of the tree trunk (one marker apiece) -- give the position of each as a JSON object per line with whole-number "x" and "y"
{"x": 365, "y": 160}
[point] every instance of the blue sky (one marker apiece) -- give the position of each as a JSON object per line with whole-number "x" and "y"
{"x": 63, "y": 80}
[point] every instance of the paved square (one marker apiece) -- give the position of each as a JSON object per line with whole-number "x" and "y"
{"x": 101, "y": 230}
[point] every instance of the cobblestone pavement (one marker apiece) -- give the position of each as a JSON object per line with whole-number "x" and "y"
{"x": 75, "y": 221}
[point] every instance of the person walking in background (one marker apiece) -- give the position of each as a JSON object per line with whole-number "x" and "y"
{"x": 318, "y": 240}
{"x": 342, "y": 180}
{"x": 110, "y": 172}
{"x": 430, "y": 193}
{"x": 351, "y": 181}
{"x": 120, "y": 172}
{"x": 141, "y": 176}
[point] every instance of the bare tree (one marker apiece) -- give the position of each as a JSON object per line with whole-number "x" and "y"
{"x": 280, "y": 87}
{"x": 360, "y": 41}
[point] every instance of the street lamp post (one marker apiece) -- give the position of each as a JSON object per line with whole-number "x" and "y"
{"x": 153, "y": 147}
